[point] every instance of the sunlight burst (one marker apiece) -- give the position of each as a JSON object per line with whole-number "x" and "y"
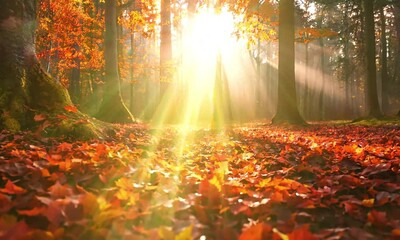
{"x": 207, "y": 36}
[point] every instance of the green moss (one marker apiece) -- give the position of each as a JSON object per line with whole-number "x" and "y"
{"x": 377, "y": 121}
{"x": 76, "y": 126}
{"x": 11, "y": 124}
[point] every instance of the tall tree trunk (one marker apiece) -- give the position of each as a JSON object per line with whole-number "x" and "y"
{"x": 396, "y": 11}
{"x": 372, "y": 88}
{"x": 112, "y": 108}
{"x": 384, "y": 66}
{"x": 307, "y": 89}
{"x": 287, "y": 111}
{"x": 132, "y": 72}
{"x": 321, "y": 102}
{"x": 348, "y": 113}
{"x": 165, "y": 46}
{"x": 75, "y": 81}
{"x": 24, "y": 86}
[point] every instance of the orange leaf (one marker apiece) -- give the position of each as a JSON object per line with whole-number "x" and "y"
{"x": 11, "y": 188}
{"x": 32, "y": 212}
{"x": 254, "y": 232}
{"x": 71, "y": 109}
{"x": 59, "y": 191}
{"x": 396, "y": 232}
{"x": 257, "y": 232}
{"x": 39, "y": 117}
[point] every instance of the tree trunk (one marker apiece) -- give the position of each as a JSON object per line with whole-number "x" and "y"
{"x": 112, "y": 108}
{"x": 372, "y": 88}
{"x": 165, "y": 47}
{"x": 287, "y": 111}
{"x": 396, "y": 11}
{"x": 321, "y": 100}
{"x": 25, "y": 88}
{"x": 75, "y": 81}
{"x": 384, "y": 66}
{"x": 348, "y": 113}
{"x": 305, "y": 106}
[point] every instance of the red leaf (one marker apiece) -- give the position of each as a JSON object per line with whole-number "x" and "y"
{"x": 377, "y": 218}
{"x": 302, "y": 233}
{"x": 71, "y": 109}
{"x": 5, "y": 203}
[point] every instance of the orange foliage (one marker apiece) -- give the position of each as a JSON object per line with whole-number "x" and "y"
{"x": 69, "y": 32}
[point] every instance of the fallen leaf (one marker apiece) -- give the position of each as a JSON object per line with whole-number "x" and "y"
{"x": 70, "y": 108}
{"x": 11, "y": 188}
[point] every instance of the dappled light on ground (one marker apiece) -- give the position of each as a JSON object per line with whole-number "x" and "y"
{"x": 249, "y": 182}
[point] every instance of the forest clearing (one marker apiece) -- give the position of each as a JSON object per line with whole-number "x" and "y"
{"x": 199, "y": 119}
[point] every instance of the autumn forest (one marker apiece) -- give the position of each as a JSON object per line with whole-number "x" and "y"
{"x": 199, "y": 119}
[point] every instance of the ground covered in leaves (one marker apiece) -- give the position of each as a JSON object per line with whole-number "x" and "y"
{"x": 248, "y": 182}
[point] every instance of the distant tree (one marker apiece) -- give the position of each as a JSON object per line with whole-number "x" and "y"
{"x": 165, "y": 46}
{"x": 372, "y": 88}
{"x": 287, "y": 111}
{"x": 112, "y": 107}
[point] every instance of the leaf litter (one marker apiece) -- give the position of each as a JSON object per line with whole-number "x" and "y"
{"x": 254, "y": 182}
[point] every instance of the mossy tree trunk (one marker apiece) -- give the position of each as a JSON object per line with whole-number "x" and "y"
{"x": 112, "y": 107}
{"x": 25, "y": 89}
{"x": 287, "y": 111}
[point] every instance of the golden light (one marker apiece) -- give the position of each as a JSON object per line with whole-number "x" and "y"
{"x": 206, "y": 37}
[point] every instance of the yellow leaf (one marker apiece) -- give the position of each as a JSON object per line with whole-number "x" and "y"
{"x": 216, "y": 182}
{"x": 122, "y": 194}
{"x": 186, "y": 234}
{"x": 264, "y": 182}
{"x": 166, "y": 233}
{"x": 368, "y": 202}
{"x": 282, "y": 235}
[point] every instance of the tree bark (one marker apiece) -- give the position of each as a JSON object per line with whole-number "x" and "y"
{"x": 25, "y": 89}
{"x": 287, "y": 111}
{"x": 112, "y": 108}
{"x": 372, "y": 88}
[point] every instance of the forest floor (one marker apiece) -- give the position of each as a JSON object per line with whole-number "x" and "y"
{"x": 253, "y": 181}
